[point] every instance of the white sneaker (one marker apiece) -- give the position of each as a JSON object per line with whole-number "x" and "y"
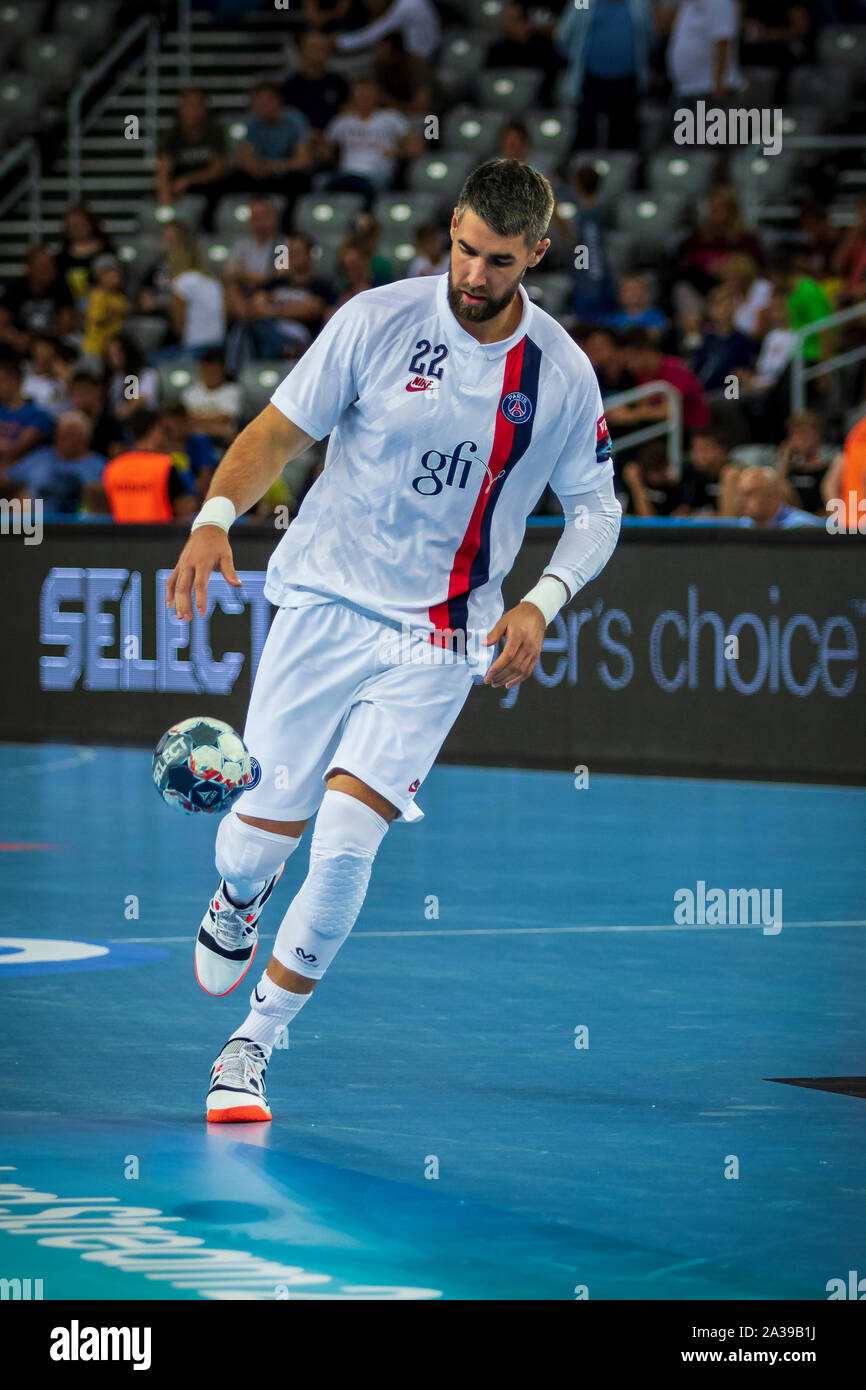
{"x": 237, "y": 1084}
{"x": 227, "y": 939}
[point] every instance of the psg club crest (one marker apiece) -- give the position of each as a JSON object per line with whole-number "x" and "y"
{"x": 516, "y": 407}
{"x": 256, "y": 770}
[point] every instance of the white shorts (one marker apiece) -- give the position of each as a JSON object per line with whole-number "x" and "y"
{"x": 336, "y": 688}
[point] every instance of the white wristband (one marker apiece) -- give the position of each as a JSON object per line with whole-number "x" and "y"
{"x": 549, "y": 595}
{"x": 217, "y": 511}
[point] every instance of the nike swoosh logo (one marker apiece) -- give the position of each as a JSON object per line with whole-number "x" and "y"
{"x": 410, "y": 387}
{"x": 256, "y": 993}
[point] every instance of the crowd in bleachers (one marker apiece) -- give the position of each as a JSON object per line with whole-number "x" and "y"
{"x": 162, "y": 345}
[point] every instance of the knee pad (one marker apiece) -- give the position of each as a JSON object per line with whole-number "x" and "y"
{"x": 246, "y": 855}
{"x": 346, "y": 838}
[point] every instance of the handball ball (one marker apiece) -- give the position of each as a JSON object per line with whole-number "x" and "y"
{"x": 202, "y": 765}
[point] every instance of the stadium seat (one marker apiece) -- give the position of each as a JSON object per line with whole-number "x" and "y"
{"x": 399, "y": 249}
{"x": 217, "y": 250}
{"x": 20, "y": 103}
{"x": 808, "y": 86}
{"x": 258, "y": 382}
{"x": 755, "y": 175}
{"x": 325, "y": 216}
{"x": 175, "y": 377}
{"x": 137, "y": 254}
{"x": 459, "y": 59}
{"x": 49, "y": 63}
{"x": 442, "y": 174}
{"x": 843, "y": 46}
{"x": 146, "y": 330}
{"x": 512, "y": 90}
{"x": 552, "y": 292}
{"x": 89, "y": 22}
{"x": 402, "y": 212}
{"x": 471, "y": 128}
{"x": 654, "y": 219}
{"x": 188, "y": 209}
{"x": 484, "y": 14}
{"x": 617, "y": 168}
{"x": 680, "y": 170}
{"x": 18, "y": 21}
{"x": 759, "y": 88}
{"x": 550, "y": 133}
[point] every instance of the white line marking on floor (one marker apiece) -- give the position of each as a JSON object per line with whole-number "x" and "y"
{"x": 81, "y": 755}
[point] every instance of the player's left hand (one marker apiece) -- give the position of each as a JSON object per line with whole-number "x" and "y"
{"x": 523, "y": 629}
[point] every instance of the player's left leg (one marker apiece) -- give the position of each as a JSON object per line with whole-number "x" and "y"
{"x": 350, "y": 826}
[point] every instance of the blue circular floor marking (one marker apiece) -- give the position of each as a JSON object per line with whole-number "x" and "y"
{"x": 34, "y": 955}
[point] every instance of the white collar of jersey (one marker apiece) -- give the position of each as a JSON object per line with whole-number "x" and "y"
{"x": 465, "y": 341}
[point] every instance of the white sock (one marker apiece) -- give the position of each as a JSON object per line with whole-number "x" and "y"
{"x": 272, "y": 1008}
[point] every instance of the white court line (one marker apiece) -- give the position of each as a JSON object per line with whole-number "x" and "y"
{"x": 504, "y": 931}
{"x": 81, "y": 755}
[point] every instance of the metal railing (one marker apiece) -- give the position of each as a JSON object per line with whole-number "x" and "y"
{"x": 25, "y": 152}
{"x": 800, "y": 373}
{"x": 672, "y": 426}
{"x": 145, "y": 29}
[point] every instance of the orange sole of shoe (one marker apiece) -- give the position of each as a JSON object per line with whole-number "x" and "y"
{"x": 239, "y": 1114}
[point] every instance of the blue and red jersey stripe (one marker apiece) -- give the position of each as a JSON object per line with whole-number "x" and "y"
{"x": 471, "y": 566}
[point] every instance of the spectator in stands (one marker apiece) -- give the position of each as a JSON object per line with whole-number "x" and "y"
{"x": 365, "y": 226}
{"x": 703, "y": 475}
{"x": 401, "y": 76}
{"x": 723, "y": 349}
{"x": 213, "y": 402}
{"x": 106, "y": 308}
{"x": 702, "y": 51}
{"x": 699, "y": 260}
{"x": 416, "y": 20}
{"x": 594, "y": 288}
{"x": 354, "y": 266}
{"x": 197, "y": 304}
{"x": 606, "y": 46}
{"x": 287, "y": 311}
{"x": 367, "y": 140}
{"x": 253, "y": 258}
{"x": 57, "y": 472}
{"x": 763, "y": 500}
{"x": 46, "y": 375}
{"x": 652, "y": 490}
{"x": 328, "y": 15}
{"x": 604, "y": 350}
{"x": 191, "y": 155}
{"x": 432, "y": 257}
{"x": 275, "y": 156}
{"x": 514, "y": 141}
{"x": 849, "y": 261}
{"x": 319, "y": 94}
{"x": 39, "y": 303}
{"x": 521, "y": 45}
{"x": 81, "y": 241}
{"x": 192, "y": 451}
{"x": 823, "y": 240}
{"x": 774, "y": 34}
{"x": 143, "y": 484}
{"x": 777, "y": 345}
{"x": 130, "y": 384}
{"x": 23, "y": 425}
{"x": 636, "y": 308}
{"x": 642, "y": 357}
{"x": 806, "y": 301}
{"x": 751, "y": 291}
{"x": 803, "y": 459}
{"x": 88, "y": 394}
{"x": 845, "y": 481}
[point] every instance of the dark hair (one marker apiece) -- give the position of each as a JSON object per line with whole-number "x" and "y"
{"x": 512, "y": 198}
{"x": 10, "y": 362}
{"x": 133, "y": 357}
{"x": 515, "y": 124}
{"x": 142, "y": 422}
{"x": 213, "y": 354}
{"x": 639, "y": 339}
{"x": 83, "y": 374}
{"x": 266, "y": 86}
{"x": 587, "y": 178}
{"x": 581, "y": 331}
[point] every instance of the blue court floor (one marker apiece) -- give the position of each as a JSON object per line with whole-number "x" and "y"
{"x": 521, "y": 1079}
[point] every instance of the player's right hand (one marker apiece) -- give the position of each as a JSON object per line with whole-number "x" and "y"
{"x": 206, "y": 550}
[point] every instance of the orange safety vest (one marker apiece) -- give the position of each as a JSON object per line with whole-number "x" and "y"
{"x": 136, "y": 485}
{"x": 853, "y": 485}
